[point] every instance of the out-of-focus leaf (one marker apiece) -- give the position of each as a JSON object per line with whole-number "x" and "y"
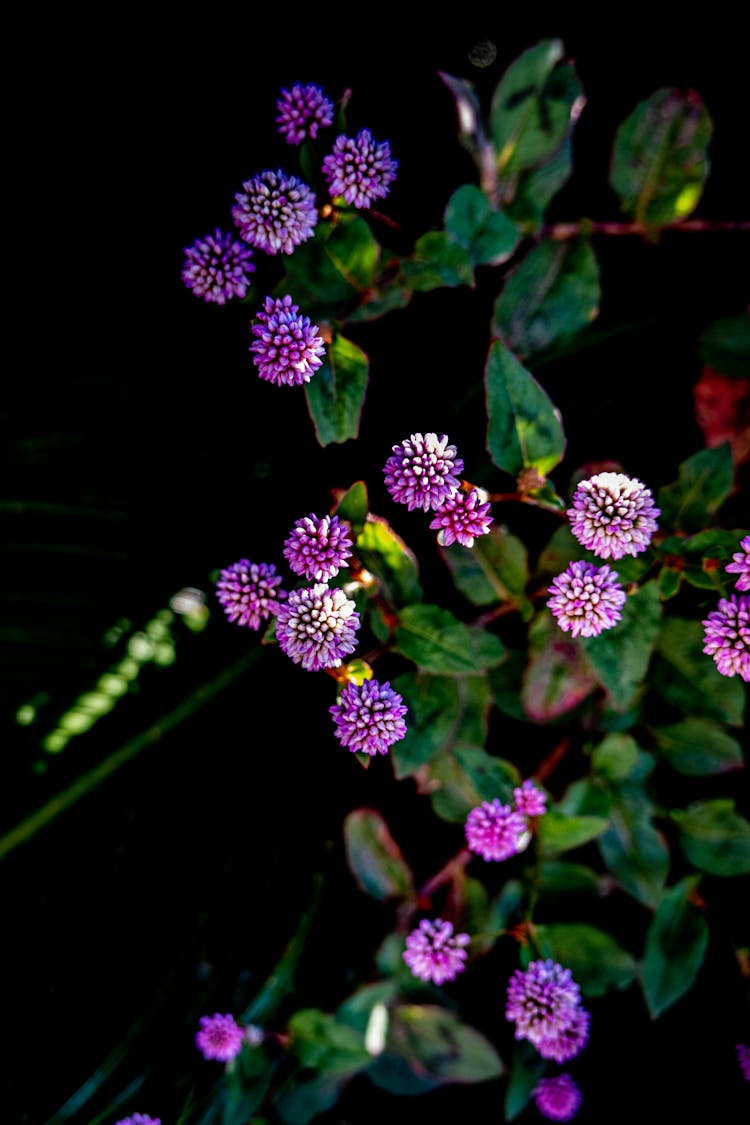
{"x": 714, "y": 836}
{"x": 487, "y": 649}
{"x": 375, "y": 859}
{"x": 688, "y": 679}
{"x": 437, "y": 261}
{"x": 465, "y": 778}
{"x": 302, "y": 1102}
{"x": 722, "y": 410}
{"x": 560, "y": 551}
{"x": 660, "y": 157}
{"x": 527, "y": 1068}
{"x": 384, "y": 553}
{"x": 312, "y": 279}
{"x": 704, "y": 482}
{"x": 537, "y": 187}
{"x": 676, "y": 944}
{"x": 524, "y": 428}
{"x": 355, "y": 1011}
{"x": 698, "y": 747}
{"x": 506, "y": 681}
{"x": 620, "y": 656}
{"x": 336, "y": 393}
{"x": 669, "y": 582}
{"x": 377, "y": 300}
{"x": 494, "y": 570}
{"x": 558, "y": 676}
{"x": 353, "y": 506}
{"x": 435, "y": 709}
{"x": 245, "y": 1085}
{"x": 321, "y": 1042}
{"x": 598, "y": 963}
{"x": 632, "y": 848}
{"x": 724, "y": 345}
{"x": 615, "y": 756}
{"x": 489, "y": 236}
{"x": 558, "y": 833}
{"x": 354, "y": 250}
{"x": 586, "y": 797}
{"x": 438, "y": 642}
{"x": 548, "y": 297}
{"x": 560, "y": 877}
{"x": 469, "y": 112}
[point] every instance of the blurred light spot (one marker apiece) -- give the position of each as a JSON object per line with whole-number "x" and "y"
{"x": 128, "y": 668}
{"x": 25, "y": 715}
{"x": 140, "y": 647}
{"x": 112, "y": 636}
{"x": 377, "y": 1029}
{"x": 76, "y": 722}
{"x": 95, "y": 702}
{"x": 187, "y": 600}
{"x": 483, "y": 53}
{"x": 112, "y": 685}
{"x": 164, "y": 655}
{"x": 55, "y": 742}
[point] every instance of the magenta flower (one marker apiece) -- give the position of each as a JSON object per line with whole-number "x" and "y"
{"x": 317, "y": 627}
{"x": 139, "y": 1119}
{"x": 586, "y": 599}
{"x": 496, "y": 831}
{"x": 529, "y": 799}
{"x": 727, "y": 636}
{"x": 613, "y": 515}
{"x": 423, "y": 471}
{"x": 360, "y": 169}
{"x": 249, "y": 592}
{"x": 558, "y": 1098}
{"x": 743, "y": 1058}
{"x": 318, "y": 548}
{"x": 740, "y": 564}
{"x": 288, "y": 348}
{"x": 433, "y": 952}
{"x": 219, "y": 1037}
{"x": 461, "y": 518}
{"x": 218, "y": 267}
{"x": 544, "y": 1002}
{"x": 369, "y": 718}
{"x": 275, "y": 213}
{"x": 302, "y": 111}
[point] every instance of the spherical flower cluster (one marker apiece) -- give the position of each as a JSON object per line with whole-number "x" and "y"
{"x": 288, "y": 349}
{"x": 368, "y": 718}
{"x": 220, "y": 1037}
{"x": 586, "y": 599}
{"x": 360, "y": 169}
{"x": 544, "y": 1002}
{"x": 461, "y": 518}
{"x": 727, "y": 636}
{"x": 558, "y": 1098}
{"x": 496, "y": 831}
{"x": 422, "y": 472}
{"x": 743, "y": 1058}
{"x": 318, "y": 548}
{"x": 529, "y": 799}
{"x": 249, "y": 592}
{"x": 434, "y": 953}
{"x": 613, "y": 515}
{"x": 316, "y": 627}
{"x": 302, "y": 111}
{"x": 218, "y": 267}
{"x": 139, "y": 1119}
{"x": 275, "y": 213}
{"x": 740, "y": 564}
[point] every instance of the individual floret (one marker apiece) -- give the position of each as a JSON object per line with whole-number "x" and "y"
{"x": 434, "y": 953}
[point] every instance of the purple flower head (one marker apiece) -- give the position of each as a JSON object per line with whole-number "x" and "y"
{"x": 139, "y": 1119}
{"x": 359, "y": 168}
{"x": 316, "y": 627}
{"x": 613, "y": 515}
{"x": 433, "y": 952}
{"x": 740, "y": 564}
{"x": 461, "y": 518}
{"x": 727, "y": 636}
{"x": 249, "y": 592}
{"x": 529, "y": 799}
{"x": 302, "y": 111}
{"x": 544, "y": 1002}
{"x": 369, "y": 718}
{"x": 220, "y": 1037}
{"x": 496, "y": 831}
{"x": 558, "y": 1098}
{"x": 288, "y": 348}
{"x": 743, "y": 1058}
{"x": 218, "y": 267}
{"x": 423, "y": 471}
{"x": 586, "y": 599}
{"x": 275, "y": 212}
{"x": 318, "y": 548}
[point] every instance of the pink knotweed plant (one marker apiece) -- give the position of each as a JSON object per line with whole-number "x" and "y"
{"x": 317, "y": 548}
{"x": 275, "y": 213}
{"x": 139, "y": 1119}
{"x": 360, "y": 169}
{"x": 544, "y": 1002}
{"x": 586, "y": 599}
{"x": 219, "y": 1037}
{"x": 558, "y": 1097}
{"x": 613, "y": 515}
{"x": 303, "y": 110}
{"x": 434, "y": 953}
{"x": 249, "y": 592}
{"x": 369, "y": 717}
{"x": 462, "y": 518}
{"x": 317, "y": 626}
{"x": 496, "y": 831}
{"x": 740, "y": 565}
{"x": 423, "y": 471}
{"x": 288, "y": 349}
{"x": 529, "y": 799}
{"x": 218, "y": 267}
{"x": 727, "y": 636}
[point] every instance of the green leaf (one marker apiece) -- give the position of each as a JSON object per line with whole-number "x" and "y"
{"x": 377, "y": 300}
{"x": 461, "y": 780}
{"x": 312, "y": 279}
{"x": 698, "y": 747}
{"x": 353, "y": 506}
{"x": 714, "y": 837}
{"x": 438, "y": 642}
{"x": 676, "y": 944}
{"x": 384, "y": 553}
{"x": 354, "y": 250}
{"x": 558, "y": 676}
{"x": 245, "y": 1086}
{"x": 724, "y": 345}
{"x": 489, "y": 236}
{"x": 537, "y": 187}
{"x": 437, "y": 1047}
{"x": 558, "y": 833}
{"x": 615, "y": 756}
{"x": 322, "y": 1043}
{"x": 356, "y": 1010}
{"x": 620, "y": 656}
{"x": 494, "y": 570}
{"x": 689, "y": 680}
{"x": 437, "y": 261}
{"x": 506, "y": 682}
{"x": 336, "y": 393}
{"x": 660, "y": 157}
{"x": 632, "y": 848}
{"x": 302, "y": 1102}
{"x": 524, "y": 428}
{"x": 435, "y": 707}
{"x": 527, "y": 1068}
{"x": 704, "y": 482}
{"x": 598, "y": 963}
{"x": 560, "y": 877}
{"x": 551, "y": 294}
{"x": 374, "y": 857}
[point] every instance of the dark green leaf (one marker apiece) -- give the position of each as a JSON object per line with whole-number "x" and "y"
{"x": 527, "y": 1068}
{"x": 245, "y": 1086}
{"x": 435, "y": 709}
{"x": 336, "y": 393}
{"x": 615, "y": 756}
{"x": 506, "y": 682}
{"x": 300, "y": 1103}
{"x": 676, "y": 944}
{"x": 598, "y": 963}
{"x": 381, "y": 298}
{"x": 465, "y": 778}
{"x": 437, "y": 261}
{"x": 438, "y": 642}
{"x": 704, "y": 482}
{"x": 494, "y": 570}
{"x": 436, "y": 1044}
{"x": 688, "y": 679}
{"x": 698, "y": 747}
{"x": 354, "y": 251}
{"x": 714, "y": 836}
{"x": 537, "y": 187}
{"x": 632, "y": 848}
{"x": 560, "y": 877}
{"x": 560, "y": 833}
{"x": 353, "y": 506}
{"x": 322, "y": 1043}
{"x": 384, "y": 553}
{"x": 489, "y": 236}
{"x": 560, "y": 551}
{"x": 725, "y": 346}
{"x": 620, "y": 656}
{"x": 558, "y": 676}
{"x": 356, "y": 1010}
{"x": 524, "y": 428}
{"x": 374, "y": 857}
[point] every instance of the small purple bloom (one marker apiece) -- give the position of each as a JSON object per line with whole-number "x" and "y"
{"x": 613, "y": 515}
{"x": 496, "y": 831}
{"x": 317, "y": 627}
{"x": 461, "y": 518}
{"x": 139, "y": 1119}
{"x": 727, "y": 636}
{"x": 369, "y": 718}
{"x": 743, "y": 1058}
{"x": 558, "y": 1098}
{"x": 275, "y": 213}
{"x": 586, "y": 599}
{"x": 302, "y": 111}
{"x": 433, "y": 952}
{"x": 218, "y": 267}
{"x": 529, "y": 799}
{"x": 740, "y": 564}
{"x": 423, "y": 471}
{"x": 544, "y": 1002}
{"x": 220, "y": 1037}
{"x": 249, "y": 592}
{"x": 360, "y": 169}
{"x": 288, "y": 349}
{"x": 318, "y": 548}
